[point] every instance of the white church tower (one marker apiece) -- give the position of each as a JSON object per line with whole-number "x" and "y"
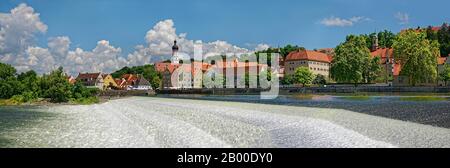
{"x": 175, "y": 58}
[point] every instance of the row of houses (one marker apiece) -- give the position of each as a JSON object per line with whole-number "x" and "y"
{"x": 318, "y": 61}
{"x": 107, "y": 82}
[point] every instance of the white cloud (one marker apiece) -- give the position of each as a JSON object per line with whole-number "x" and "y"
{"x": 18, "y": 29}
{"x": 403, "y": 18}
{"x": 18, "y": 47}
{"x": 261, "y": 47}
{"x": 59, "y": 46}
{"x": 160, "y": 40}
{"x": 103, "y": 58}
{"x": 336, "y": 21}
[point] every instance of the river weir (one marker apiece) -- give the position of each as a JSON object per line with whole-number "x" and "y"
{"x": 174, "y": 122}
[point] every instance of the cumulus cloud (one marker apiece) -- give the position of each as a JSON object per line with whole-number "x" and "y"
{"x": 261, "y": 47}
{"x": 336, "y": 21}
{"x": 160, "y": 40}
{"x": 18, "y": 47}
{"x": 18, "y": 29}
{"x": 403, "y": 18}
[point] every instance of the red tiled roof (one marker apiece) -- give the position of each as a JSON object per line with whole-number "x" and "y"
{"x": 308, "y": 55}
{"x": 162, "y": 66}
{"x": 88, "y": 75}
{"x": 397, "y": 69}
{"x": 442, "y": 60}
{"x": 384, "y": 53}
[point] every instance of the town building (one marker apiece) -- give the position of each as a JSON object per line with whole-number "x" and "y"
{"x": 191, "y": 74}
{"x": 91, "y": 80}
{"x": 141, "y": 84}
{"x": 109, "y": 82}
{"x": 317, "y": 62}
{"x": 391, "y": 69}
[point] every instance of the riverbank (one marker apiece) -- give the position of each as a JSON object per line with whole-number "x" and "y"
{"x": 169, "y": 122}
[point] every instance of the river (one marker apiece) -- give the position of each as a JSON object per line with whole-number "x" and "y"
{"x": 322, "y": 121}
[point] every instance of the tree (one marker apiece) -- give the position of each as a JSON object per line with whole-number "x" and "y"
{"x": 6, "y": 71}
{"x": 385, "y": 39}
{"x": 444, "y": 39}
{"x": 350, "y": 60}
{"x": 287, "y": 80}
{"x": 303, "y": 75}
{"x": 319, "y": 80}
{"x": 10, "y": 87}
{"x": 59, "y": 88}
{"x": 417, "y": 56}
{"x": 29, "y": 80}
{"x": 445, "y": 74}
{"x": 154, "y": 76}
{"x": 373, "y": 69}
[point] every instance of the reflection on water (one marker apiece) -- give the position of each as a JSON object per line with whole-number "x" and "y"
{"x": 425, "y": 109}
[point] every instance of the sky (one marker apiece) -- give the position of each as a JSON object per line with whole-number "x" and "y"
{"x": 102, "y": 35}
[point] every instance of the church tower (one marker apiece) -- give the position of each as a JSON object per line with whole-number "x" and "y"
{"x": 175, "y": 59}
{"x": 375, "y": 43}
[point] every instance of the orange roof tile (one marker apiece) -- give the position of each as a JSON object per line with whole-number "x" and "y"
{"x": 308, "y": 55}
{"x": 384, "y": 53}
{"x": 442, "y": 60}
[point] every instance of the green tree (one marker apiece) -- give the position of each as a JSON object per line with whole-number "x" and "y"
{"x": 445, "y": 74}
{"x": 372, "y": 70}
{"x": 303, "y": 75}
{"x": 59, "y": 88}
{"x": 287, "y": 80}
{"x": 444, "y": 39}
{"x": 385, "y": 39}
{"x": 6, "y": 71}
{"x": 10, "y": 87}
{"x": 417, "y": 55}
{"x": 319, "y": 80}
{"x": 350, "y": 60}
{"x": 30, "y": 81}
{"x": 154, "y": 76}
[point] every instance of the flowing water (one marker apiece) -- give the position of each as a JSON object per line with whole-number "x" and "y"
{"x": 240, "y": 121}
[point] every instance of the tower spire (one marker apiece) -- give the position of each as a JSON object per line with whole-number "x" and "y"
{"x": 175, "y": 59}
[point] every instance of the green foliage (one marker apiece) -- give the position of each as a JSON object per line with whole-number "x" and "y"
{"x": 85, "y": 100}
{"x": 303, "y": 75}
{"x": 10, "y": 87}
{"x": 319, "y": 80}
{"x": 372, "y": 70}
{"x": 350, "y": 60}
{"x": 56, "y": 87}
{"x": 80, "y": 91}
{"x": 443, "y": 36}
{"x": 385, "y": 39}
{"x": 445, "y": 74}
{"x": 287, "y": 80}
{"x": 417, "y": 55}
{"x": 6, "y": 71}
{"x": 212, "y": 79}
{"x": 29, "y": 80}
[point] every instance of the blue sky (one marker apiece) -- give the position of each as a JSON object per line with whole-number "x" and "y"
{"x": 106, "y": 35}
{"x": 244, "y": 23}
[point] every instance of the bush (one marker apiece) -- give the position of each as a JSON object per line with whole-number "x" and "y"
{"x": 83, "y": 100}
{"x": 319, "y": 80}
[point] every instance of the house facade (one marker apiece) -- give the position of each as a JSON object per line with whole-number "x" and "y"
{"x": 191, "y": 75}
{"x": 108, "y": 82}
{"x": 316, "y": 62}
{"x": 91, "y": 80}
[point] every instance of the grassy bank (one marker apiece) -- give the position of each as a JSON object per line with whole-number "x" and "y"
{"x": 40, "y": 101}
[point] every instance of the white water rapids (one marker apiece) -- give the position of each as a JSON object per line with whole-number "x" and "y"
{"x": 166, "y": 122}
